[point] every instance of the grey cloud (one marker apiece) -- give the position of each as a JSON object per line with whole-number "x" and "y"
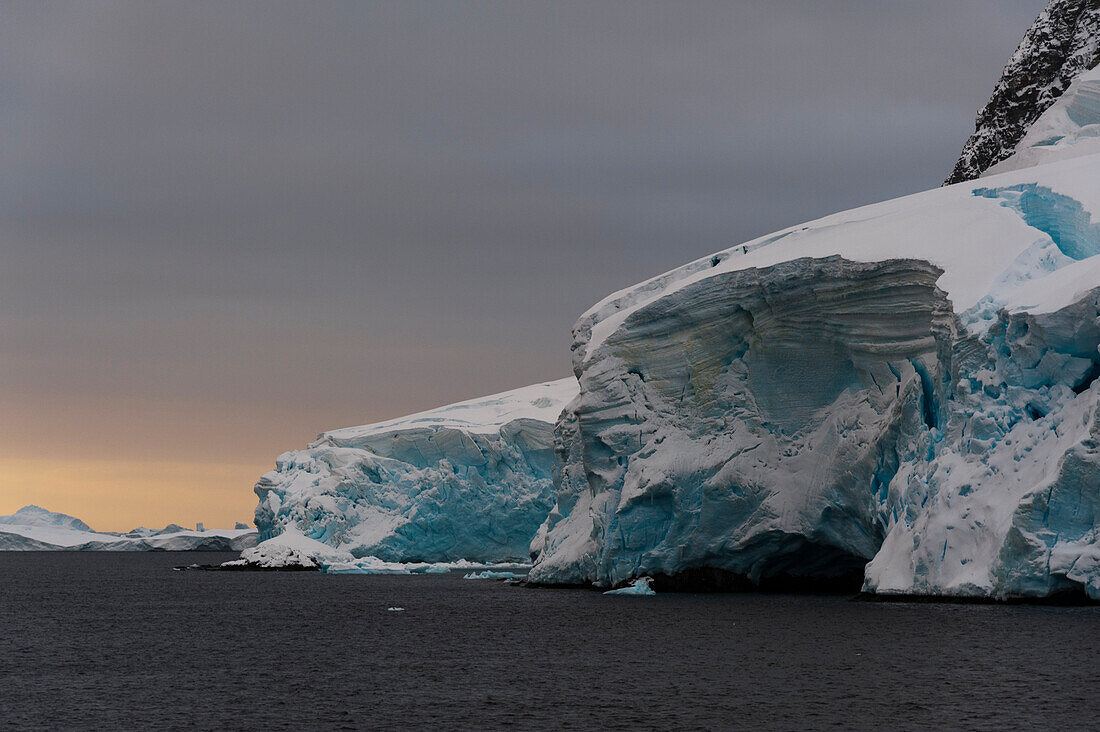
{"x": 392, "y": 205}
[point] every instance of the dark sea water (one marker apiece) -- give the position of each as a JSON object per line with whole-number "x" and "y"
{"x": 120, "y": 641}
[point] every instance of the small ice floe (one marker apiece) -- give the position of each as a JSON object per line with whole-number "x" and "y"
{"x": 396, "y": 609}
{"x": 366, "y": 565}
{"x": 374, "y": 565}
{"x": 639, "y": 586}
{"x": 489, "y": 574}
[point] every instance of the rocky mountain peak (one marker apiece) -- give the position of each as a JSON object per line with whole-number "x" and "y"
{"x": 1063, "y": 43}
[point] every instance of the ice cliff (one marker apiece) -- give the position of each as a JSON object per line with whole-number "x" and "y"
{"x": 1063, "y": 42}
{"x": 32, "y": 528}
{"x": 901, "y": 396}
{"x": 468, "y": 481}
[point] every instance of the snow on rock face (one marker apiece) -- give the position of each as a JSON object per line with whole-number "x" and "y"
{"x": 467, "y": 481}
{"x": 1069, "y": 128}
{"x": 1063, "y": 42}
{"x": 908, "y": 385}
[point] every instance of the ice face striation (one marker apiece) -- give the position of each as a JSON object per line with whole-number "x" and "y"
{"x": 1063, "y": 42}
{"x": 900, "y": 397}
{"x": 468, "y": 481}
{"x": 710, "y": 406}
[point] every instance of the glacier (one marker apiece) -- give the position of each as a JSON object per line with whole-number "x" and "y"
{"x": 901, "y": 397}
{"x": 33, "y": 528}
{"x": 470, "y": 481}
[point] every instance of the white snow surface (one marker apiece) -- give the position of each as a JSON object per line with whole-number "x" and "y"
{"x": 35, "y": 529}
{"x": 974, "y": 242}
{"x": 905, "y": 391}
{"x": 290, "y": 549}
{"x": 484, "y": 415}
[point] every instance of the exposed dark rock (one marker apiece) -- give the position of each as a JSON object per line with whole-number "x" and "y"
{"x": 1063, "y": 42}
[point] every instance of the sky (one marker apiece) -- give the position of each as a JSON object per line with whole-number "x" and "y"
{"x": 227, "y": 227}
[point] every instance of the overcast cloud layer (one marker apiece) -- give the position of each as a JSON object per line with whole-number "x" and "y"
{"x": 225, "y": 227}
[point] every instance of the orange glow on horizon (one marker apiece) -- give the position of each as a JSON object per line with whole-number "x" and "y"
{"x": 112, "y": 495}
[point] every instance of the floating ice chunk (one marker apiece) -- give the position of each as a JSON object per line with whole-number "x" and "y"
{"x": 489, "y": 574}
{"x": 639, "y": 586}
{"x": 367, "y": 565}
{"x": 375, "y": 565}
{"x": 290, "y": 549}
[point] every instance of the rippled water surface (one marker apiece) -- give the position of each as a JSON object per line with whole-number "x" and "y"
{"x": 119, "y": 641}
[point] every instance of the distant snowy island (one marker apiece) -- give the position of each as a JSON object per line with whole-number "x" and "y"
{"x": 35, "y": 529}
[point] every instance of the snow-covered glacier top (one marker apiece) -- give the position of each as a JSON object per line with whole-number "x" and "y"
{"x": 988, "y": 236}
{"x": 484, "y": 415}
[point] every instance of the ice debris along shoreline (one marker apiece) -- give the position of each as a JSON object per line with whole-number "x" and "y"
{"x": 470, "y": 481}
{"x": 32, "y": 528}
{"x": 292, "y": 551}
